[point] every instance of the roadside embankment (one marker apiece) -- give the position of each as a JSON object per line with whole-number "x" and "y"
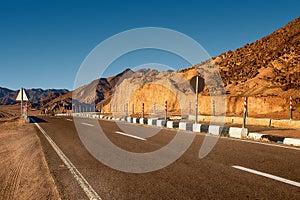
{"x": 24, "y": 173}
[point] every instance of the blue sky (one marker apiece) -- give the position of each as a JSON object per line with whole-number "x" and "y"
{"x": 43, "y": 43}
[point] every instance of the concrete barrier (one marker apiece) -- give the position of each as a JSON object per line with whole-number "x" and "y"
{"x": 197, "y": 128}
{"x": 182, "y": 126}
{"x": 152, "y": 121}
{"x": 149, "y": 121}
{"x": 236, "y": 132}
{"x": 255, "y": 136}
{"x": 142, "y": 120}
{"x": 171, "y": 124}
{"x": 291, "y": 141}
{"x": 129, "y": 119}
{"x": 186, "y": 126}
{"x": 215, "y": 130}
{"x": 160, "y": 122}
{"x": 136, "y": 120}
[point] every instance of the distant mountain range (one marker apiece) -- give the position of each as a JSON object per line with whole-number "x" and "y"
{"x": 8, "y": 96}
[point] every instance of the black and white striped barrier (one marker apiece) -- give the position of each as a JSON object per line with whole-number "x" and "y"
{"x": 233, "y": 132}
{"x": 185, "y": 126}
{"x": 172, "y": 124}
{"x": 160, "y": 123}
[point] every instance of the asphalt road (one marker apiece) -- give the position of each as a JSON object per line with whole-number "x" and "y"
{"x": 189, "y": 177}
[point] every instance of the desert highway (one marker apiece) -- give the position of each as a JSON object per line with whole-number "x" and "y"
{"x": 234, "y": 169}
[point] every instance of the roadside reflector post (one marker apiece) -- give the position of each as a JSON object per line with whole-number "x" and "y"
{"x": 166, "y": 110}
{"x": 143, "y": 114}
{"x": 291, "y": 108}
{"x": 196, "y": 101}
{"x": 21, "y": 101}
{"x": 245, "y": 112}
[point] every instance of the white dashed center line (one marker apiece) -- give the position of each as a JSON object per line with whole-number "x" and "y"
{"x": 132, "y": 136}
{"x": 87, "y": 124}
{"x": 277, "y": 178}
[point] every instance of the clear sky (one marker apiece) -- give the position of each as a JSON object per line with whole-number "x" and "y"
{"x": 43, "y": 43}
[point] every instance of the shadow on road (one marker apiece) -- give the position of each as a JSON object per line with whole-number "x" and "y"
{"x": 37, "y": 120}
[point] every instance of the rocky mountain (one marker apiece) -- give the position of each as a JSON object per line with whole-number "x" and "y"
{"x": 266, "y": 71}
{"x": 8, "y": 96}
{"x": 94, "y": 95}
{"x": 268, "y": 67}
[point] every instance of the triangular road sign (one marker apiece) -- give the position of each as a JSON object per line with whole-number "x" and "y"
{"x": 22, "y": 97}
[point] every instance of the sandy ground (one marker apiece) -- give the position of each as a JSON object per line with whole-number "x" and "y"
{"x": 24, "y": 173}
{"x": 15, "y": 109}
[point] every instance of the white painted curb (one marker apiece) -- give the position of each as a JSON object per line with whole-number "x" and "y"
{"x": 236, "y": 132}
{"x": 160, "y": 122}
{"x": 169, "y": 124}
{"x": 150, "y": 121}
{"x": 134, "y": 120}
{"x": 255, "y": 136}
{"x": 292, "y": 141}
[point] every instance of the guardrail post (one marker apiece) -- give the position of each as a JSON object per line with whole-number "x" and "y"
{"x": 196, "y": 103}
{"x": 245, "y": 112}
{"x": 166, "y": 110}
{"x": 291, "y": 108}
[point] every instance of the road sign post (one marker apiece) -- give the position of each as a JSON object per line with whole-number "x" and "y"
{"x": 22, "y": 97}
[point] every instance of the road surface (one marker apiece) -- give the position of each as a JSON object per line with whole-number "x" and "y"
{"x": 234, "y": 169}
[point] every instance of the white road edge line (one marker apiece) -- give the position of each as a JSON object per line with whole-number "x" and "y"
{"x": 70, "y": 120}
{"x": 87, "y": 124}
{"x": 133, "y": 136}
{"x": 87, "y": 188}
{"x": 277, "y": 178}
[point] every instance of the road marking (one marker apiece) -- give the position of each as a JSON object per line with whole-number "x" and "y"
{"x": 69, "y": 120}
{"x": 133, "y": 136}
{"x": 87, "y": 188}
{"x": 277, "y": 178}
{"x": 87, "y": 124}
